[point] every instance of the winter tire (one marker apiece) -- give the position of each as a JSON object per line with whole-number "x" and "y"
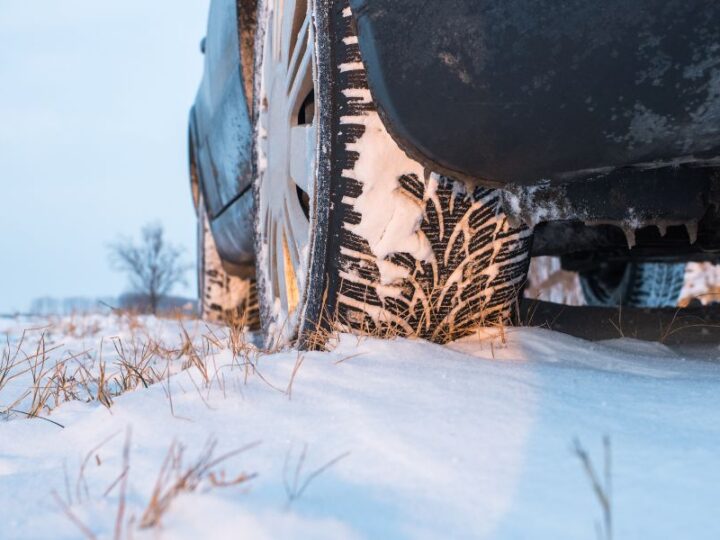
{"x": 631, "y": 284}
{"x": 351, "y": 233}
{"x": 223, "y": 298}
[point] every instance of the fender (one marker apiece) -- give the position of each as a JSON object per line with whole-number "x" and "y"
{"x": 221, "y": 130}
{"x": 523, "y": 91}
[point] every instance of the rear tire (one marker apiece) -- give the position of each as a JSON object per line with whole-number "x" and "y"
{"x": 387, "y": 247}
{"x": 223, "y": 298}
{"x": 651, "y": 285}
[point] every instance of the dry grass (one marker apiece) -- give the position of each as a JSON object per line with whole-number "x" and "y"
{"x": 176, "y": 478}
{"x": 296, "y": 368}
{"x": 324, "y": 334}
{"x": 683, "y": 324}
{"x": 56, "y": 375}
{"x": 297, "y": 482}
{"x": 601, "y": 486}
{"x": 16, "y": 362}
{"x": 139, "y": 358}
{"x": 78, "y": 326}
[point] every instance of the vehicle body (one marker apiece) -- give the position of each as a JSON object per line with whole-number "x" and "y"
{"x": 600, "y": 122}
{"x": 599, "y": 112}
{"x": 220, "y": 136}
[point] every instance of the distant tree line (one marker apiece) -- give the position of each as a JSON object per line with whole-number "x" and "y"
{"x": 48, "y": 305}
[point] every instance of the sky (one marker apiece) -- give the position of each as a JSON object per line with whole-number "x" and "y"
{"x": 94, "y": 101}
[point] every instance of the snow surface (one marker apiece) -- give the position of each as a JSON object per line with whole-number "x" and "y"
{"x": 469, "y": 440}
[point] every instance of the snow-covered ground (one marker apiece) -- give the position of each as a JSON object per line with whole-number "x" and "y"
{"x": 376, "y": 439}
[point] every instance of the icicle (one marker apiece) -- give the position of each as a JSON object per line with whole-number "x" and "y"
{"x": 629, "y": 231}
{"x": 692, "y": 230}
{"x": 662, "y": 229}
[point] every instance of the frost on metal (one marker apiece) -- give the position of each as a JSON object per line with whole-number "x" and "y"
{"x": 543, "y": 202}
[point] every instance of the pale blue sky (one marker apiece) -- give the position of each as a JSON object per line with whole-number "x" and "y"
{"x": 94, "y": 98}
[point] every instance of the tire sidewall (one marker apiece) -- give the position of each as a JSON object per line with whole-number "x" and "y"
{"x": 316, "y": 300}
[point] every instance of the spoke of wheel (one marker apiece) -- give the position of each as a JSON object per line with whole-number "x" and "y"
{"x": 301, "y": 43}
{"x": 290, "y": 16}
{"x": 275, "y": 247}
{"x": 273, "y": 256}
{"x": 300, "y": 85}
{"x": 277, "y": 14}
{"x": 297, "y": 229}
{"x": 292, "y": 294}
{"x": 284, "y": 268}
{"x": 266, "y": 219}
{"x": 302, "y": 149}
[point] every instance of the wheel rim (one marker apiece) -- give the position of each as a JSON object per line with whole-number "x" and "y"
{"x": 286, "y": 140}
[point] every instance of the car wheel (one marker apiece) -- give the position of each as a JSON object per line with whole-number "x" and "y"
{"x": 223, "y": 298}
{"x": 633, "y": 284}
{"x": 351, "y": 233}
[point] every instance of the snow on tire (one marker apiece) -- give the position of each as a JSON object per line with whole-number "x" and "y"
{"x": 393, "y": 249}
{"x": 223, "y": 297}
{"x": 419, "y": 254}
{"x": 476, "y": 266}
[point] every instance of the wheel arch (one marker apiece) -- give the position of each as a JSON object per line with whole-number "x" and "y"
{"x": 467, "y": 87}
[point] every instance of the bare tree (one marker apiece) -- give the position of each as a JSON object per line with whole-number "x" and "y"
{"x": 154, "y": 266}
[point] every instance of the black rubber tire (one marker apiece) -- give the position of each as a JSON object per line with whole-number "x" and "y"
{"x": 478, "y": 261}
{"x": 651, "y": 285}
{"x": 223, "y": 298}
